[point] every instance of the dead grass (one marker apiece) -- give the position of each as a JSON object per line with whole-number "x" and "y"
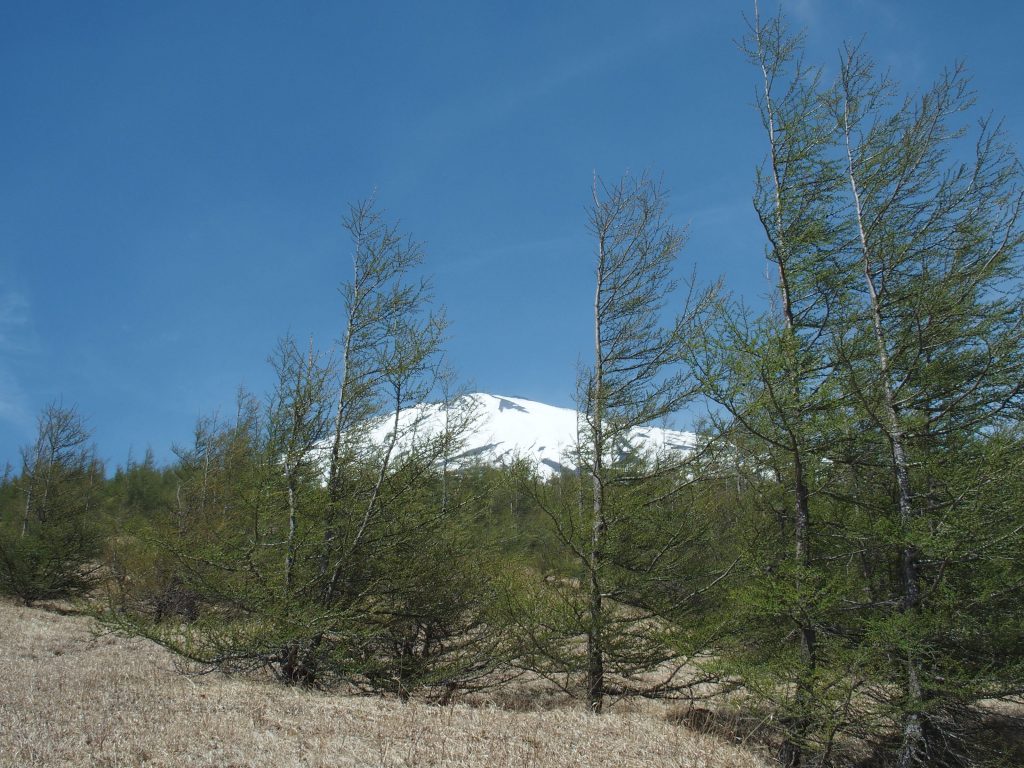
{"x": 70, "y": 697}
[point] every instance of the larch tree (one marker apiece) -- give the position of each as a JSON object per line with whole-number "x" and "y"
{"x": 321, "y": 537}
{"x": 624, "y": 519}
{"x": 770, "y": 377}
{"x": 865, "y": 410}
{"x": 935, "y": 358}
{"x": 47, "y": 550}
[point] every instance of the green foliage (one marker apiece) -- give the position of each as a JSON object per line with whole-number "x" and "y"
{"x": 867, "y": 411}
{"x": 320, "y": 535}
{"x": 48, "y": 530}
{"x": 635, "y": 562}
{"x": 843, "y": 546}
{"x": 48, "y": 562}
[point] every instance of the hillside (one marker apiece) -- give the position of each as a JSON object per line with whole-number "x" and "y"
{"x": 506, "y": 428}
{"x": 74, "y": 697}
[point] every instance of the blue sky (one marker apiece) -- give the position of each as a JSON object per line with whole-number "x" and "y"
{"x": 174, "y": 175}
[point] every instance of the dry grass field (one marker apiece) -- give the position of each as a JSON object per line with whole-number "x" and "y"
{"x": 71, "y": 696}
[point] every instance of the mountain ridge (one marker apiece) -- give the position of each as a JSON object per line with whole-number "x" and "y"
{"x": 506, "y": 428}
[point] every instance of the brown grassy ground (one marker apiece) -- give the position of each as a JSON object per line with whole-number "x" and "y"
{"x": 71, "y": 697}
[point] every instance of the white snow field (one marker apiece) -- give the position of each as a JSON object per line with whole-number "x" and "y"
{"x": 508, "y": 428}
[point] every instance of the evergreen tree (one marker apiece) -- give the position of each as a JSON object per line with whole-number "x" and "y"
{"x": 771, "y": 377}
{"x": 48, "y": 545}
{"x": 625, "y": 519}
{"x": 861, "y": 413}
{"x": 321, "y": 535}
{"x": 934, "y": 355}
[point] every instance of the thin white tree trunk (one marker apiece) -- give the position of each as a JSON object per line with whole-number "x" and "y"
{"x": 913, "y": 731}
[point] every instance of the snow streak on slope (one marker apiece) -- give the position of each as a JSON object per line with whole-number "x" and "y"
{"x": 507, "y": 428}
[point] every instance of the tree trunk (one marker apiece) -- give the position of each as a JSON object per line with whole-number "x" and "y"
{"x": 595, "y": 634}
{"x": 913, "y": 728}
{"x": 790, "y": 753}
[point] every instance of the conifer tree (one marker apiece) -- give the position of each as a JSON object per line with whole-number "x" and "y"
{"x": 869, "y": 403}
{"x": 48, "y": 546}
{"x": 935, "y": 359}
{"x": 320, "y": 535}
{"x": 625, "y": 519}
{"x": 771, "y": 378}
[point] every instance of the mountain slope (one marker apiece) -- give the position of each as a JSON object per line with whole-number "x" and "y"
{"x": 506, "y": 428}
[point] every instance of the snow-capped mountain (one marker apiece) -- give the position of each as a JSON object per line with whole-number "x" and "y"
{"x": 505, "y": 428}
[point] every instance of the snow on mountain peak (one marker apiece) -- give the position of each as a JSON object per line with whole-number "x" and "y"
{"x": 507, "y": 428}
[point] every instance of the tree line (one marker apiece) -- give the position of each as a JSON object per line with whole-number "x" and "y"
{"x": 839, "y": 557}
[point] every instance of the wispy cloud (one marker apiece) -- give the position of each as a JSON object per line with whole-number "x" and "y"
{"x": 457, "y": 119}
{"x": 15, "y": 321}
{"x": 453, "y": 122}
{"x": 14, "y": 406}
{"x": 807, "y": 13}
{"x": 488, "y": 255}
